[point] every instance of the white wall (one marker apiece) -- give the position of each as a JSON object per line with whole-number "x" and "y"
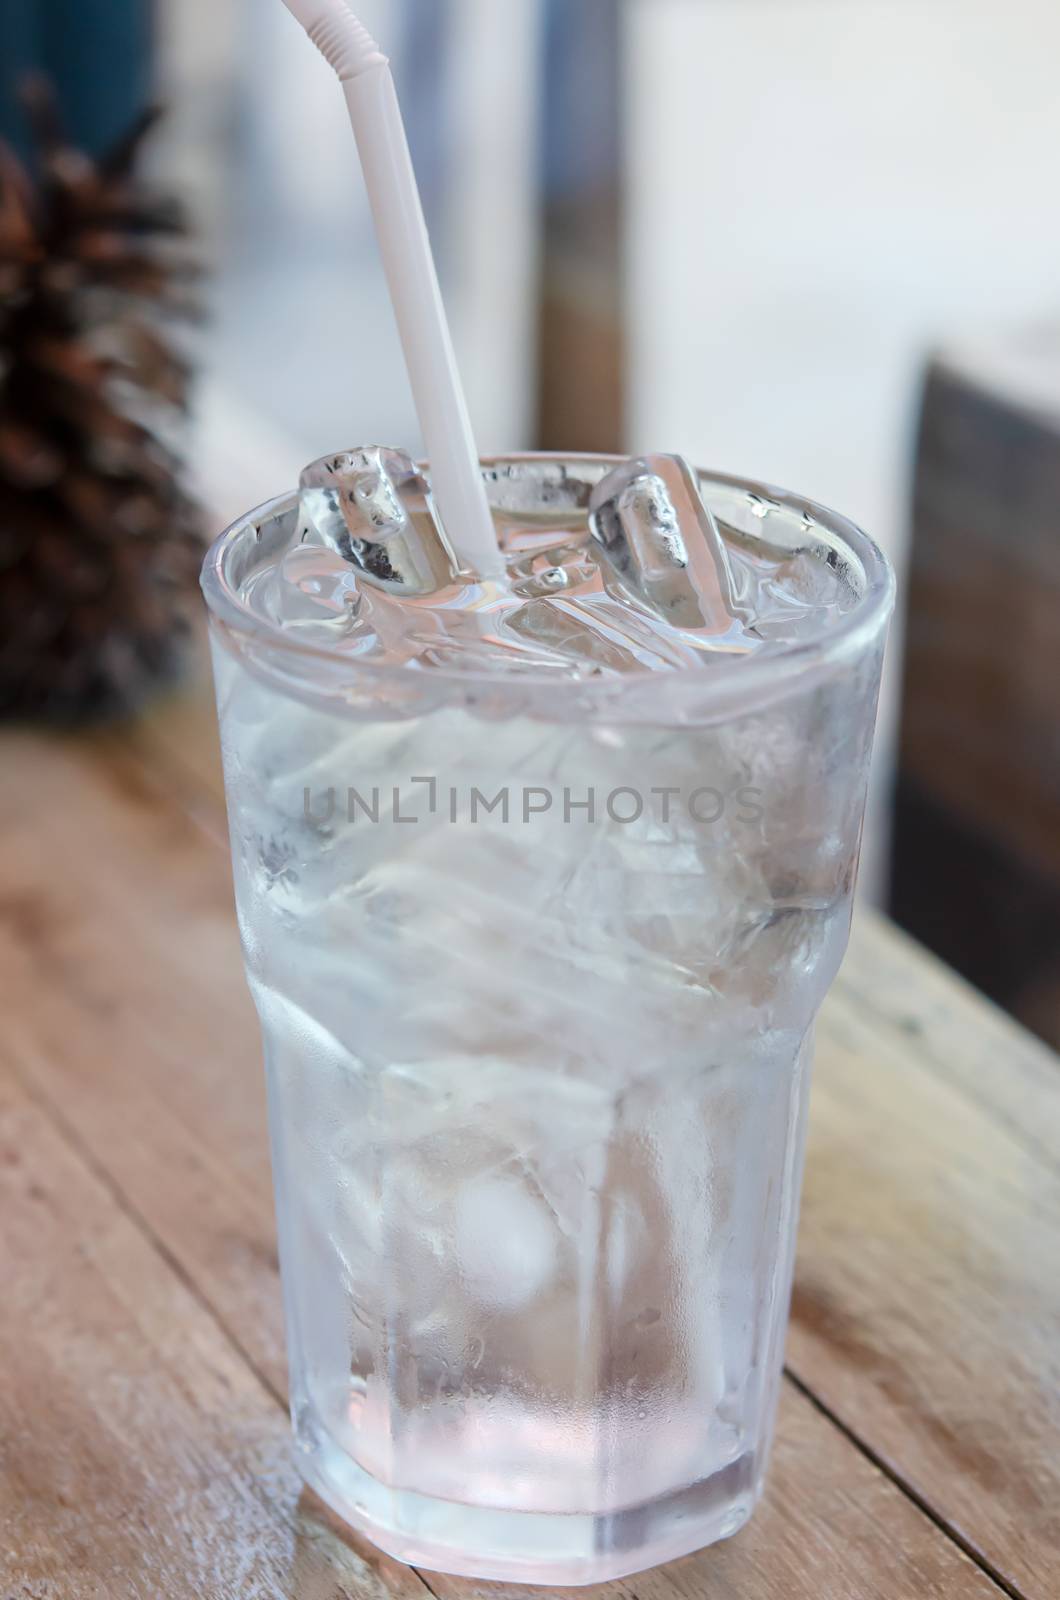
{"x": 493, "y": 226}
{"x": 821, "y": 191}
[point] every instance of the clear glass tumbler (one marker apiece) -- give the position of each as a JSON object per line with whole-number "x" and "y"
{"x": 537, "y": 965}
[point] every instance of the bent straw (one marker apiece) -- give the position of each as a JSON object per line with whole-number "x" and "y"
{"x": 456, "y": 478}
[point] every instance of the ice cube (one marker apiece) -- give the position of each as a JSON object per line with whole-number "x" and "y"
{"x": 540, "y": 489}
{"x": 658, "y": 538}
{"x": 373, "y": 507}
{"x": 506, "y": 1242}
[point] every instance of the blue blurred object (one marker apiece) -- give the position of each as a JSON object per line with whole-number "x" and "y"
{"x": 96, "y": 52}
{"x": 421, "y": 76}
{"x": 582, "y": 125}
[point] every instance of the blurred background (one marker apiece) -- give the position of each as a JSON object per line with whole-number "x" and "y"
{"x": 811, "y": 241}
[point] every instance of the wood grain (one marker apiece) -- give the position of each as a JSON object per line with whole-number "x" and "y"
{"x": 831, "y": 1526}
{"x": 927, "y": 1304}
{"x": 177, "y": 737}
{"x": 133, "y": 1028}
{"x": 139, "y": 1456}
{"x": 117, "y": 936}
{"x": 143, "y": 1459}
{"x": 954, "y": 1032}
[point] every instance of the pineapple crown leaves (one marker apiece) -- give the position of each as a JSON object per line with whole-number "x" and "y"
{"x": 88, "y": 223}
{"x": 91, "y": 263}
{"x": 97, "y": 535}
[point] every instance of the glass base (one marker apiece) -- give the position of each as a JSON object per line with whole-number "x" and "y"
{"x": 531, "y": 1547}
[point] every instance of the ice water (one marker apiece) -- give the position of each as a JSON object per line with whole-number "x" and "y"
{"x": 541, "y": 884}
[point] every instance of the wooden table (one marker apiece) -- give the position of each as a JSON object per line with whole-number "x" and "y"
{"x": 143, "y": 1436}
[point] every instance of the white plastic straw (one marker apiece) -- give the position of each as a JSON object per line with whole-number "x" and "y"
{"x": 365, "y": 75}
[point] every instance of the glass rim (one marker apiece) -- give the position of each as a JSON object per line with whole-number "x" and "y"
{"x": 742, "y": 676}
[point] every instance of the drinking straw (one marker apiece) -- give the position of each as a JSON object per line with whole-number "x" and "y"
{"x": 456, "y": 478}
